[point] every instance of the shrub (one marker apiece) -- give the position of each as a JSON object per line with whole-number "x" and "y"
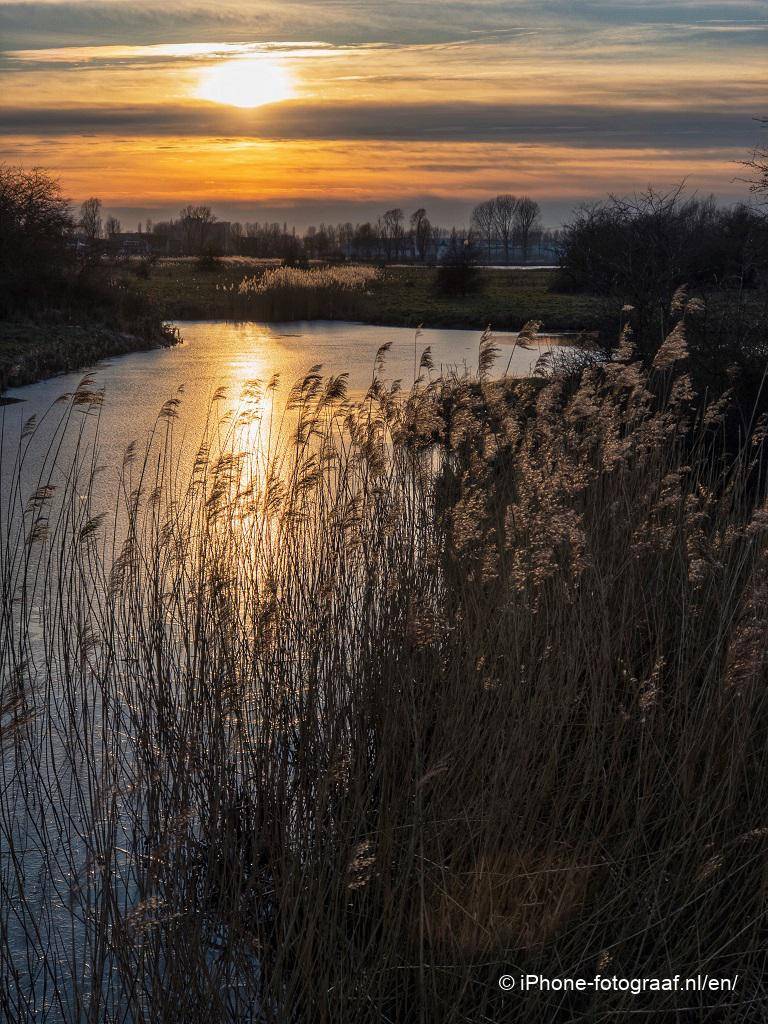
{"x": 458, "y": 273}
{"x": 641, "y": 252}
{"x": 208, "y": 260}
{"x": 642, "y": 249}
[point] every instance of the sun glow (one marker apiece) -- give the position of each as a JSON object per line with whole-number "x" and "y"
{"x": 246, "y": 82}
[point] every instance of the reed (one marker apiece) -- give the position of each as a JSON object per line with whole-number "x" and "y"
{"x": 294, "y": 293}
{"x": 341, "y": 727}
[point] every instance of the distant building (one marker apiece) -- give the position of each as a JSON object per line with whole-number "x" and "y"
{"x": 132, "y": 243}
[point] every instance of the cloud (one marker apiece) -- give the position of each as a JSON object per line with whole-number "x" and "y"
{"x": 44, "y": 23}
{"x": 584, "y": 126}
{"x": 660, "y": 88}
{"x": 40, "y": 23}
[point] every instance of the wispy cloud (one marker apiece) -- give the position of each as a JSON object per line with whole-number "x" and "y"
{"x": 43, "y": 23}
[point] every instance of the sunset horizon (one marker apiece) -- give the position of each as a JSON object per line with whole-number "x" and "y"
{"x": 291, "y": 112}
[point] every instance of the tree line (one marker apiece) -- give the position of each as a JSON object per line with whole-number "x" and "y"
{"x": 501, "y": 229}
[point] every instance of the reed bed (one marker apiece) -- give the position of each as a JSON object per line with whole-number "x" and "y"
{"x": 444, "y": 685}
{"x": 295, "y": 293}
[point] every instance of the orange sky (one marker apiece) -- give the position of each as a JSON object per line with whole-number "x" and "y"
{"x": 565, "y": 101}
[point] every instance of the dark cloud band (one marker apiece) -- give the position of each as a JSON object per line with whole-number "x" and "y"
{"x": 583, "y": 126}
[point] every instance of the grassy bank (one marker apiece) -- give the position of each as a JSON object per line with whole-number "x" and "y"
{"x": 404, "y": 296}
{"x": 461, "y": 683}
{"x": 31, "y": 350}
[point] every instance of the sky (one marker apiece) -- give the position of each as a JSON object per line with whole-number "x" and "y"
{"x": 305, "y": 111}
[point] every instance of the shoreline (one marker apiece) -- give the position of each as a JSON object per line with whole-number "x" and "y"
{"x": 36, "y": 350}
{"x": 404, "y": 297}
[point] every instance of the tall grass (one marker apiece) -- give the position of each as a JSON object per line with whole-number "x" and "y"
{"x": 294, "y": 293}
{"x": 451, "y": 684}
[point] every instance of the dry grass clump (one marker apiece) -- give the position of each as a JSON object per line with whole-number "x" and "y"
{"x": 346, "y": 278}
{"x": 295, "y": 293}
{"x": 456, "y": 683}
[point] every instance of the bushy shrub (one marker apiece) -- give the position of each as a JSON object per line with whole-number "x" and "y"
{"x": 640, "y": 253}
{"x": 458, "y": 273}
{"x": 642, "y": 249}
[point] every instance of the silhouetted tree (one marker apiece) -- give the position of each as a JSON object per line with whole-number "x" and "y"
{"x": 236, "y": 236}
{"x": 484, "y": 223}
{"x": 36, "y": 229}
{"x": 504, "y": 210}
{"x": 527, "y": 214}
{"x": 90, "y": 219}
{"x": 196, "y": 223}
{"x": 392, "y": 233}
{"x": 758, "y": 164}
{"x": 422, "y": 233}
{"x": 365, "y": 241}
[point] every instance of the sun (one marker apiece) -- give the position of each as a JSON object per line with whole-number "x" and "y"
{"x": 246, "y": 82}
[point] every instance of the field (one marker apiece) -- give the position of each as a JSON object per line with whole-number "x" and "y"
{"x": 404, "y": 297}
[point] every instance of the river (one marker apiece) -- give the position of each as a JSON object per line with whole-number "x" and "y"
{"x": 217, "y": 354}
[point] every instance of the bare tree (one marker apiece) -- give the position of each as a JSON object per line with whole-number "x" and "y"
{"x": 366, "y": 241}
{"x": 435, "y": 240}
{"x": 236, "y": 236}
{"x": 346, "y": 235}
{"x": 35, "y": 230}
{"x": 505, "y": 208}
{"x": 484, "y": 224}
{"x": 392, "y": 232}
{"x": 90, "y": 219}
{"x": 422, "y": 233}
{"x": 527, "y": 213}
{"x": 112, "y": 227}
{"x": 758, "y": 164}
{"x": 196, "y": 223}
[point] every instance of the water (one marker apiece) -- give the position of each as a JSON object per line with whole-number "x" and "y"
{"x": 218, "y": 353}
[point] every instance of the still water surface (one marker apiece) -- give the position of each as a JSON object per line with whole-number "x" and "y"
{"x": 222, "y": 354}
